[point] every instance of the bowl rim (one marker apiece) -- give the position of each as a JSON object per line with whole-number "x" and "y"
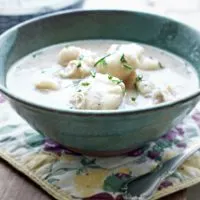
{"x": 35, "y": 105}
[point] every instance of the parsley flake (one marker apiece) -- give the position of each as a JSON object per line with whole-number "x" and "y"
{"x": 114, "y": 80}
{"x": 34, "y": 55}
{"x": 125, "y": 63}
{"x": 139, "y": 78}
{"x": 85, "y": 84}
{"x": 110, "y": 77}
{"x": 127, "y": 66}
{"x": 79, "y": 64}
{"x": 102, "y": 61}
{"x": 160, "y": 65}
{"x": 122, "y": 59}
{"x": 133, "y": 98}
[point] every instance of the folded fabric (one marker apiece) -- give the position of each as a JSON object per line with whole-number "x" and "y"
{"x": 68, "y": 175}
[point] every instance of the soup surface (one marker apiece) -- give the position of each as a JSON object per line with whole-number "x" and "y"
{"x": 101, "y": 75}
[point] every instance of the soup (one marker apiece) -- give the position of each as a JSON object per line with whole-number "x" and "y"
{"x": 101, "y": 75}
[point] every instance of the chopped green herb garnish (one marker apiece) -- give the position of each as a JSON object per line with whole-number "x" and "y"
{"x": 93, "y": 74}
{"x": 102, "y": 61}
{"x": 124, "y": 62}
{"x": 110, "y": 77}
{"x": 122, "y": 59}
{"x": 139, "y": 78}
{"x": 133, "y": 98}
{"x": 117, "y": 81}
{"x": 79, "y": 90}
{"x": 114, "y": 80}
{"x": 36, "y": 54}
{"x": 85, "y": 84}
{"x": 160, "y": 65}
{"x": 127, "y": 66}
{"x": 79, "y": 64}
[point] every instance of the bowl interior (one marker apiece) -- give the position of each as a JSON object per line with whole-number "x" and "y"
{"x": 79, "y": 25}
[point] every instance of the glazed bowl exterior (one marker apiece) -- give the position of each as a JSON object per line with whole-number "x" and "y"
{"x": 101, "y": 133}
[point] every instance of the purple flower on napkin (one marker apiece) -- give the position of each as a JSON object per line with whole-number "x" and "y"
{"x": 172, "y": 134}
{"x": 155, "y": 155}
{"x": 104, "y": 196}
{"x": 100, "y": 196}
{"x": 165, "y": 184}
{"x": 136, "y": 152}
{"x": 196, "y": 118}
{"x": 181, "y": 145}
{"x": 54, "y": 147}
{"x": 180, "y": 130}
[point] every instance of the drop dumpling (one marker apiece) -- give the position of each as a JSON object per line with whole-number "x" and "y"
{"x": 70, "y": 53}
{"x": 99, "y": 92}
{"x": 75, "y": 70}
{"x": 120, "y": 60}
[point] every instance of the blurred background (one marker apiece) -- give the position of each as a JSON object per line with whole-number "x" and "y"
{"x": 15, "y": 11}
{"x": 187, "y": 11}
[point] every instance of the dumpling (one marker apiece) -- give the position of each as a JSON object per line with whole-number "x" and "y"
{"x": 70, "y": 53}
{"x": 120, "y": 60}
{"x": 75, "y": 69}
{"x": 67, "y": 54}
{"x": 99, "y": 92}
{"x": 148, "y": 63}
{"x": 46, "y": 83}
{"x": 113, "y": 66}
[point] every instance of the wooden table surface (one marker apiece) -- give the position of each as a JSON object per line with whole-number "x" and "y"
{"x": 15, "y": 186}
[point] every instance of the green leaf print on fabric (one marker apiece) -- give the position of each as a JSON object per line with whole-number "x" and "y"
{"x": 6, "y": 133}
{"x": 53, "y": 180}
{"x": 115, "y": 182}
{"x": 7, "y": 129}
{"x": 7, "y": 138}
{"x": 163, "y": 144}
{"x": 34, "y": 139}
{"x": 61, "y": 171}
{"x": 89, "y": 162}
{"x": 177, "y": 175}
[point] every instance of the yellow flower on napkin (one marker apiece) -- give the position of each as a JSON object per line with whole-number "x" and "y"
{"x": 90, "y": 181}
{"x": 36, "y": 161}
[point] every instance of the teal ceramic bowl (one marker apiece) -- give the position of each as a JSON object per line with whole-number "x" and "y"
{"x": 101, "y": 133}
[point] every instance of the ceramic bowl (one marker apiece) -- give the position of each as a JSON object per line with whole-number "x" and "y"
{"x": 102, "y": 133}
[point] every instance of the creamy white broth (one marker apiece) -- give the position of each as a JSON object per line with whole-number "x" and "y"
{"x": 22, "y": 76}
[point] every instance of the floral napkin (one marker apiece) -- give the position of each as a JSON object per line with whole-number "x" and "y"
{"x": 68, "y": 175}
